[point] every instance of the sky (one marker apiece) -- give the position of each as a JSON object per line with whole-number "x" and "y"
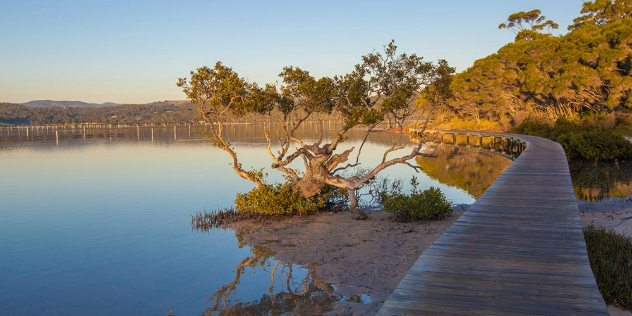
{"x": 134, "y": 51}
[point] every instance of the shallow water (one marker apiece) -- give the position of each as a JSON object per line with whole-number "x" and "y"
{"x": 595, "y": 181}
{"x": 102, "y": 226}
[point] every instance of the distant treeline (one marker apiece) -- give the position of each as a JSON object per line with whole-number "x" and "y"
{"x": 154, "y": 113}
{"x": 165, "y": 112}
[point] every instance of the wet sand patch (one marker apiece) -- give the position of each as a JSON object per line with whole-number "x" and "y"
{"x": 364, "y": 258}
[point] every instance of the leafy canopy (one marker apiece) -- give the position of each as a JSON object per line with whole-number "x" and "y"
{"x": 588, "y": 70}
{"x": 527, "y": 25}
{"x": 602, "y": 12}
{"x": 384, "y": 85}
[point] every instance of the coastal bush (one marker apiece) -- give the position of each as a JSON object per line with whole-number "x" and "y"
{"x": 610, "y": 257}
{"x": 265, "y": 203}
{"x": 533, "y": 128}
{"x": 587, "y": 70}
{"x": 419, "y": 205}
{"x": 284, "y": 199}
{"x": 276, "y": 199}
{"x": 581, "y": 141}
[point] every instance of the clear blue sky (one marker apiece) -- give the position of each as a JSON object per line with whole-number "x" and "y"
{"x": 134, "y": 51}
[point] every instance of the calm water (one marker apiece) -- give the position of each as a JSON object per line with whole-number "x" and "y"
{"x": 594, "y": 181}
{"x": 101, "y": 226}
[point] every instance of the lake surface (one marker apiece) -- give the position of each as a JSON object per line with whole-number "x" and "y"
{"x": 102, "y": 226}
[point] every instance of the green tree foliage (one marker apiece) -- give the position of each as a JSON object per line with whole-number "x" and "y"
{"x": 585, "y": 71}
{"x": 383, "y": 86}
{"x": 581, "y": 141}
{"x": 534, "y": 23}
{"x": 601, "y": 12}
{"x": 279, "y": 199}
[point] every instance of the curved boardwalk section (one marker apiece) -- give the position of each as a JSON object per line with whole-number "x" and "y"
{"x": 519, "y": 249}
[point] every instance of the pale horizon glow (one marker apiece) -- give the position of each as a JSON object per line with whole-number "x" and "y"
{"x": 135, "y": 51}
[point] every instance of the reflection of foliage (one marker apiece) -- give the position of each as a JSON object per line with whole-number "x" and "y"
{"x": 205, "y": 221}
{"x": 465, "y": 169}
{"x": 595, "y": 181}
{"x": 311, "y": 298}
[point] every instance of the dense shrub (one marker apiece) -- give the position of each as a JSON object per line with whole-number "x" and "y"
{"x": 611, "y": 261}
{"x": 282, "y": 199}
{"x": 581, "y": 141}
{"x": 275, "y": 199}
{"x": 419, "y": 205}
{"x": 533, "y": 128}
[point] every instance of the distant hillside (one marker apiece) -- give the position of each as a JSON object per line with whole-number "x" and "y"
{"x": 70, "y": 104}
{"x": 165, "y": 112}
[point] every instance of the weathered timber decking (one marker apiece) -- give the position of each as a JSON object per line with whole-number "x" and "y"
{"x": 519, "y": 249}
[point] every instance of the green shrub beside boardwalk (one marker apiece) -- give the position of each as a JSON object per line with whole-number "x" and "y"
{"x": 611, "y": 261}
{"x": 419, "y": 205}
{"x": 581, "y": 141}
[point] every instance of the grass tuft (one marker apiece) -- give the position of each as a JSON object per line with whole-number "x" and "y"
{"x": 611, "y": 261}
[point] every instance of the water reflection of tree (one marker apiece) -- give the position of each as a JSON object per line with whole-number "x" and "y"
{"x": 596, "y": 181}
{"x": 312, "y": 297}
{"x": 469, "y": 170}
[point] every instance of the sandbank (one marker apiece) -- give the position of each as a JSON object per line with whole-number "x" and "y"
{"x": 371, "y": 257}
{"x": 368, "y": 257}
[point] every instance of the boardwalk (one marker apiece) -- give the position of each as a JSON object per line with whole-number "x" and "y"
{"x": 518, "y": 250}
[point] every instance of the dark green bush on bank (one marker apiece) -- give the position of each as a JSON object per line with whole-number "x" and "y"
{"x": 581, "y": 141}
{"x": 275, "y": 199}
{"x": 611, "y": 261}
{"x": 282, "y": 199}
{"x": 419, "y": 205}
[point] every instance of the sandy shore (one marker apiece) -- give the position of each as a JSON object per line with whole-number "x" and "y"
{"x": 615, "y": 214}
{"x": 371, "y": 257}
{"x": 358, "y": 257}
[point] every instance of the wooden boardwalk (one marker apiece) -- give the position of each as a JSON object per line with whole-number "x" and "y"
{"x": 518, "y": 250}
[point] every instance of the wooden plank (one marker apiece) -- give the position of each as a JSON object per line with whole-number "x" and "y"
{"x": 518, "y": 250}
